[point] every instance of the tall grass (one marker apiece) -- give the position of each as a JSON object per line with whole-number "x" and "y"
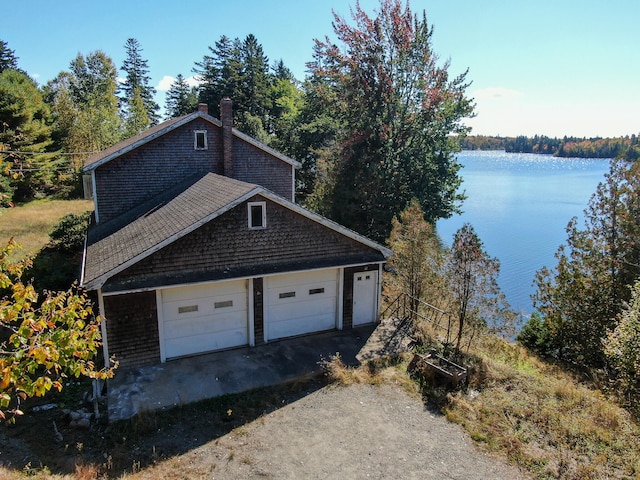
{"x": 543, "y": 419}
{"x": 29, "y": 224}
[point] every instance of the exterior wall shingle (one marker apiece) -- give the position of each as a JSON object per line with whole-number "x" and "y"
{"x": 132, "y": 329}
{"x": 227, "y": 248}
{"x": 258, "y": 310}
{"x": 125, "y": 182}
{"x": 253, "y": 165}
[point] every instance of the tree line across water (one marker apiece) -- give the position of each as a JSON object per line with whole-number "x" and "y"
{"x": 568, "y": 147}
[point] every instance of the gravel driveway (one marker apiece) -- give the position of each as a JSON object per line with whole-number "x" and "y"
{"x": 343, "y": 432}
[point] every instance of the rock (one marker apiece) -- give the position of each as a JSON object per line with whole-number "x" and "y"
{"x": 84, "y": 423}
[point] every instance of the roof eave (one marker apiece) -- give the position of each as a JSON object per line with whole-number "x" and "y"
{"x": 386, "y": 252}
{"x": 266, "y": 148}
{"x": 99, "y": 281}
{"x": 147, "y": 138}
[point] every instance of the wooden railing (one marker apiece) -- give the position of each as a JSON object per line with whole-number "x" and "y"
{"x": 407, "y": 307}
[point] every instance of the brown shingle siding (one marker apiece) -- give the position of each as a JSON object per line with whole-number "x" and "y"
{"x": 126, "y": 181}
{"x": 132, "y": 329}
{"x": 227, "y": 246}
{"x": 254, "y": 165}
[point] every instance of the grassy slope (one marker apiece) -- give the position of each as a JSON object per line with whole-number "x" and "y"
{"x": 29, "y": 224}
{"x": 543, "y": 419}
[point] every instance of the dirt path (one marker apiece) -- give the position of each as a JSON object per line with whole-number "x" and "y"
{"x": 353, "y": 432}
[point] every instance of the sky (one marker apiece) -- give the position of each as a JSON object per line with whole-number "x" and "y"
{"x": 547, "y": 67}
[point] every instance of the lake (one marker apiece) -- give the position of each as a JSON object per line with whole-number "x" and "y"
{"x": 519, "y": 205}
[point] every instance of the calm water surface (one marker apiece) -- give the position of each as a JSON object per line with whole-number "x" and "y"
{"x": 519, "y": 205}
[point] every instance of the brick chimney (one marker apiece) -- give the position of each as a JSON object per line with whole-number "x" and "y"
{"x": 203, "y": 107}
{"x": 226, "y": 116}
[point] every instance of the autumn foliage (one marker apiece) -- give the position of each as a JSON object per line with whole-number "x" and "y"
{"x": 42, "y": 342}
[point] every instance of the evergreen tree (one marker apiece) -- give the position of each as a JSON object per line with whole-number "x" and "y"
{"x": 581, "y": 298}
{"x": 282, "y": 72}
{"x": 398, "y": 110}
{"x": 239, "y": 70}
{"x": 622, "y": 348}
{"x": 8, "y": 59}
{"x": 255, "y": 81}
{"x": 181, "y": 98}
{"x": 219, "y": 73}
{"x": 136, "y": 84}
{"x": 24, "y": 131}
{"x": 417, "y": 258}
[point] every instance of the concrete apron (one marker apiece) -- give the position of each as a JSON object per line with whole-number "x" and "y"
{"x": 196, "y": 378}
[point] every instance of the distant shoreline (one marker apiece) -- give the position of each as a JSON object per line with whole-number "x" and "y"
{"x": 567, "y": 147}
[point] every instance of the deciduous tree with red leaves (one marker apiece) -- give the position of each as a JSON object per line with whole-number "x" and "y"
{"x": 397, "y": 108}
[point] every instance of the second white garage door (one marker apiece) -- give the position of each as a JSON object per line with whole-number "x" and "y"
{"x": 301, "y": 303}
{"x": 204, "y": 318}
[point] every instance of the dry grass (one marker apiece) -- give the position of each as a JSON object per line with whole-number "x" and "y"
{"x": 543, "y": 419}
{"x": 29, "y": 224}
{"x": 375, "y": 372}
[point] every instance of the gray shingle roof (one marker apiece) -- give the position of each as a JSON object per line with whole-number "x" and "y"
{"x": 116, "y": 245}
{"x": 112, "y": 247}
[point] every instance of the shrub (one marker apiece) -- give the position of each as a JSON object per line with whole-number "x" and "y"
{"x": 536, "y": 335}
{"x": 57, "y": 265}
{"x": 622, "y": 348}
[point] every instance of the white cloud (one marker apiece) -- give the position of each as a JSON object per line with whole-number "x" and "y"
{"x": 168, "y": 80}
{"x": 193, "y": 81}
{"x": 495, "y": 93}
{"x": 165, "y": 83}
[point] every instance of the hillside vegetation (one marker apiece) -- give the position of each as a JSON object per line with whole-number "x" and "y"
{"x": 30, "y": 224}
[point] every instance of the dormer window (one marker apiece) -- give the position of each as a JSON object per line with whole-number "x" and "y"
{"x": 200, "y": 141}
{"x": 257, "y": 215}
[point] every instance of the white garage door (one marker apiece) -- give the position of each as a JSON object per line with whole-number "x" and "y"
{"x": 301, "y": 303}
{"x": 204, "y": 318}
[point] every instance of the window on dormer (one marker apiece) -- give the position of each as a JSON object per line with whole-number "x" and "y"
{"x": 200, "y": 141}
{"x": 257, "y": 215}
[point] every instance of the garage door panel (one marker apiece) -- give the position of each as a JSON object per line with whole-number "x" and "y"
{"x": 301, "y": 303}
{"x": 202, "y": 326}
{"x": 198, "y": 307}
{"x": 204, "y": 318}
{"x": 324, "y": 306}
{"x": 296, "y": 279}
{"x": 202, "y": 291}
{"x": 205, "y": 343}
{"x": 295, "y": 326}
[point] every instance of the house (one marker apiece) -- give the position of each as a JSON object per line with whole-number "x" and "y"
{"x": 198, "y": 246}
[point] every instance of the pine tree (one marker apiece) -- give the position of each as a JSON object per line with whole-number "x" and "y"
{"x": 137, "y": 84}
{"x": 25, "y": 130}
{"x": 417, "y": 258}
{"x": 255, "y": 81}
{"x": 473, "y": 284}
{"x": 8, "y": 59}
{"x": 581, "y": 298}
{"x": 181, "y": 98}
{"x": 219, "y": 73}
